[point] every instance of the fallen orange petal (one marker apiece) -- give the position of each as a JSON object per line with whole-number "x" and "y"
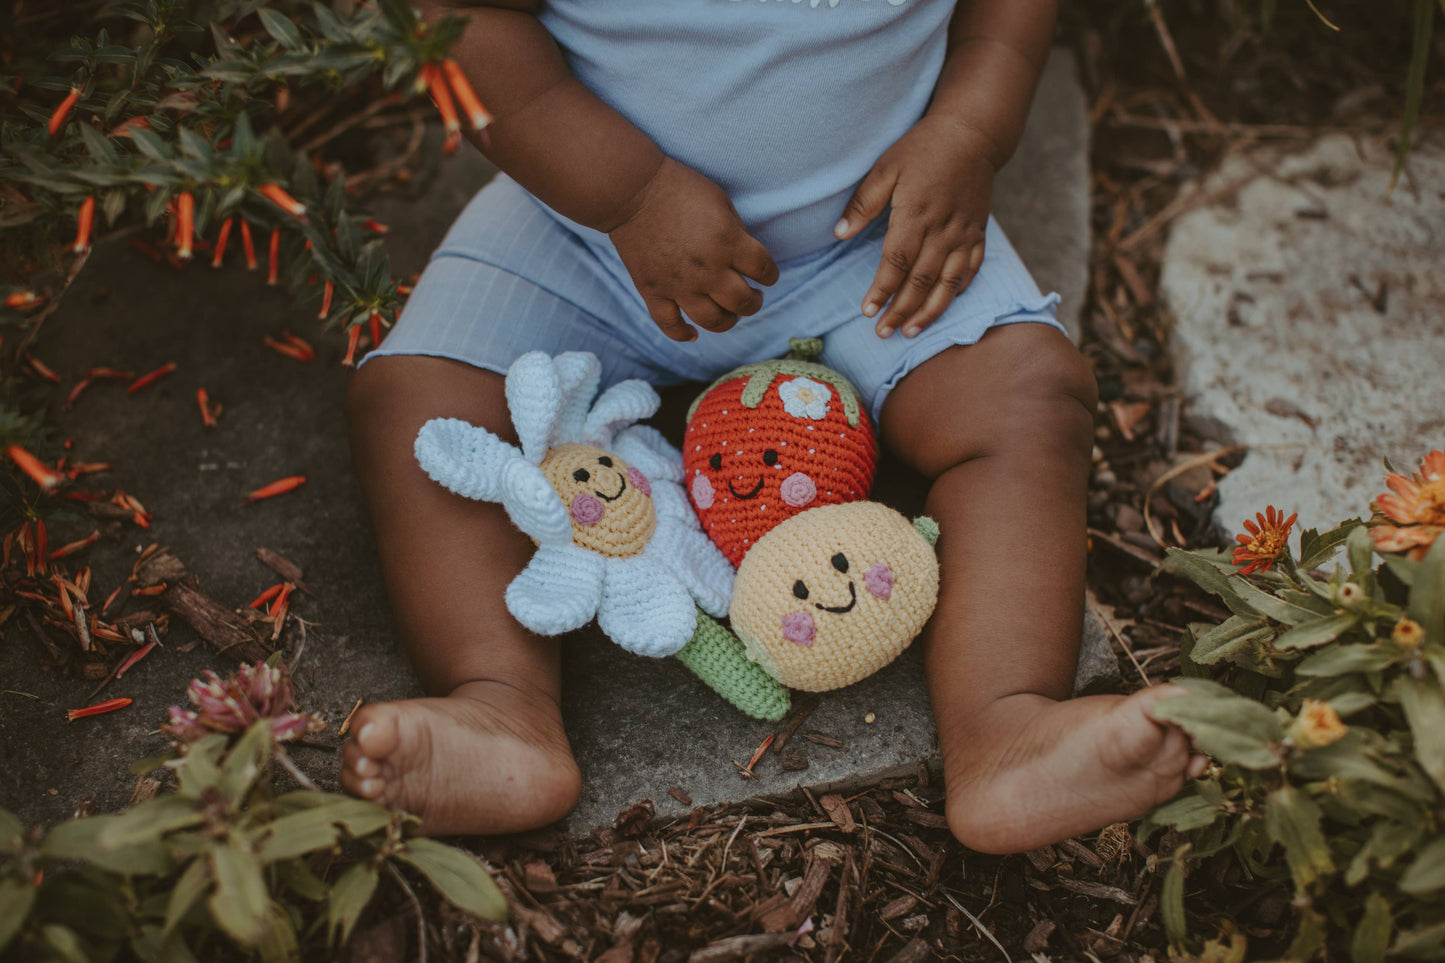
{"x": 42, "y": 369}
{"x": 40, "y": 473}
{"x": 76, "y": 546}
{"x": 100, "y": 708}
{"x": 280, "y": 487}
{"x": 146, "y": 380}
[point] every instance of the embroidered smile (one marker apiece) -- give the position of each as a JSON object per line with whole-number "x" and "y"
{"x": 613, "y": 498}
{"x": 840, "y": 609}
{"x": 752, "y": 494}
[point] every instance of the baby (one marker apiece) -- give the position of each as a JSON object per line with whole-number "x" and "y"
{"x": 687, "y": 185}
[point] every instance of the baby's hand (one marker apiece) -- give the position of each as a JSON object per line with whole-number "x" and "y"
{"x": 939, "y": 181}
{"x": 688, "y": 252}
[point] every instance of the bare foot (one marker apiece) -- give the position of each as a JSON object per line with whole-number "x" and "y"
{"x": 489, "y": 758}
{"x": 1032, "y": 771}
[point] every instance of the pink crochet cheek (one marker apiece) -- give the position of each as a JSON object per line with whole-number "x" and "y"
{"x": 879, "y": 581}
{"x": 702, "y": 492}
{"x": 639, "y": 481}
{"x": 587, "y": 510}
{"x": 798, "y": 627}
{"x": 798, "y": 490}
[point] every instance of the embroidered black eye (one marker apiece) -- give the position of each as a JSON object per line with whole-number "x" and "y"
{"x": 800, "y": 590}
{"x": 770, "y": 458}
{"x": 716, "y": 462}
{"x": 581, "y": 474}
{"x": 605, "y": 462}
{"x": 840, "y": 562}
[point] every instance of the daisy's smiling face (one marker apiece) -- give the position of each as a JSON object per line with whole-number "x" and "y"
{"x": 833, "y": 594}
{"x": 610, "y": 502}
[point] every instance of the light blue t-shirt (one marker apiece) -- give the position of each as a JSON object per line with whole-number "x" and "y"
{"x": 786, "y": 104}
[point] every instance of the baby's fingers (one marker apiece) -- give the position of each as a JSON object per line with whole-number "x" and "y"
{"x": 958, "y": 271}
{"x": 706, "y": 313}
{"x": 913, "y": 289}
{"x": 752, "y": 260}
{"x": 668, "y": 317}
{"x": 867, "y": 202}
{"x": 901, "y": 246}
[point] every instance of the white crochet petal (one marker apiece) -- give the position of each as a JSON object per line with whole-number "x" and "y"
{"x": 533, "y": 504}
{"x": 578, "y": 372}
{"x": 644, "y": 447}
{"x": 670, "y": 502}
{"x": 558, "y": 591}
{"x": 463, "y": 458}
{"x": 534, "y": 397}
{"x": 701, "y": 567}
{"x": 618, "y": 407}
{"x": 645, "y": 609}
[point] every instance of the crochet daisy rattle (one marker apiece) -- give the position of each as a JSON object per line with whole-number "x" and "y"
{"x": 601, "y": 497}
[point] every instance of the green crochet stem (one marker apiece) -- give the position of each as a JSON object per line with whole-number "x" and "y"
{"x": 716, "y": 657}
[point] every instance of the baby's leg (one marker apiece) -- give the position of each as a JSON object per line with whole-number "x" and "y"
{"x": 1004, "y": 429}
{"x": 486, "y": 754}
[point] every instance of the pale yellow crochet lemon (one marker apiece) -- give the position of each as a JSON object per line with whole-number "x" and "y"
{"x": 835, "y": 593}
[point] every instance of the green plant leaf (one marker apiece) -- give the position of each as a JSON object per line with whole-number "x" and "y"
{"x": 16, "y": 900}
{"x": 78, "y": 839}
{"x": 1210, "y": 573}
{"x": 458, "y": 876}
{"x": 1427, "y": 595}
{"x": 1293, "y": 820}
{"x": 296, "y": 835}
{"x": 1171, "y": 901}
{"x": 1309, "y": 937}
{"x": 12, "y": 832}
{"x": 1424, "y": 705}
{"x": 1414, "y": 82}
{"x": 186, "y": 893}
{"x": 297, "y": 876}
{"x": 281, "y": 28}
{"x": 1270, "y": 605}
{"x": 1309, "y": 635}
{"x": 1421, "y": 943}
{"x": 1361, "y": 550}
{"x": 1228, "y": 727}
{"x": 1186, "y": 813}
{"x": 64, "y": 943}
{"x": 1230, "y": 638}
{"x": 1345, "y": 659}
{"x": 1426, "y": 874}
{"x": 348, "y": 899}
{"x": 278, "y": 942}
{"x": 1316, "y": 548}
{"x": 243, "y": 763}
{"x": 240, "y": 902}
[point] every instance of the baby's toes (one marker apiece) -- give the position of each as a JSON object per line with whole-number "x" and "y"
{"x": 376, "y": 732}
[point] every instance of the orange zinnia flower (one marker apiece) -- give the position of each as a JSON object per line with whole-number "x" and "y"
{"x": 1264, "y": 544}
{"x": 1413, "y": 509}
{"x": 1317, "y": 725}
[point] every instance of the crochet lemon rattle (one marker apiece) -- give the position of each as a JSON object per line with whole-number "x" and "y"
{"x": 778, "y": 459}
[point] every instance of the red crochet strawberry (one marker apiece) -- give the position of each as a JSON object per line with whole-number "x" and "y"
{"x": 769, "y": 440}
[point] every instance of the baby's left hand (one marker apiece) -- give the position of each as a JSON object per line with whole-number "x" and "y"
{"x": 939, "y": 180}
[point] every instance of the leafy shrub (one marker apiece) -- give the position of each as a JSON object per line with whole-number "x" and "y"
{"x": 1320, "y": 701}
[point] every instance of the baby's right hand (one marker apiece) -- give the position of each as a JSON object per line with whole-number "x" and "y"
{"x": 689, "y": 253}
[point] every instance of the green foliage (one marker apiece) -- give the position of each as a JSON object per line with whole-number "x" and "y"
{"x": 1325, "y": 721}
{"x": 220, "y": 865}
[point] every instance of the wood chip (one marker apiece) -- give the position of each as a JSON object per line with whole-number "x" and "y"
{"x": 801, "y": 710}
{"x": 284, "y": 567}
{"x": 539, "y": 877}
{"x": 1043, "y": 858}
{"x": 1098, "y": 890}
{"x": 540, "y": 922}
{"x": 901, "y": 906}
{"x": 823, "y": 740}
{"x": 219, "y": 626}
{"x": 915, "y": 950}
{"x": 925, "y": 817}
{"x": 682, "y": 797}
{"x": 838, "y": 811}
{"x": 1038, "y": 937}
{"x": 738, "y": 947}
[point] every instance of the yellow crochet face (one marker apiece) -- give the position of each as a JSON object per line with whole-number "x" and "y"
{"x": 610, "y": 501}
{"x": 833, "y": 594}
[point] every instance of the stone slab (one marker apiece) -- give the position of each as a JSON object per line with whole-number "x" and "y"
{"x": 639, "y": 727}
{"x": 1309, "y": 322}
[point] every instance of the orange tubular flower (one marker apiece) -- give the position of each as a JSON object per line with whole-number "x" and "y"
{"x": 1265, "y": 542}
{"x": 185, "y": 224}
{"x": 326, "y": 294}
{"x": 83, "y": 225}
{"x": 57, "y": 119}
{"x": 466, "y": 96}
{"x": 150, "y": 378}
{"x": 277, "y": 195}
{"x": 247, "y": 245}
{"x": 353, "y": 339}
{"x": 40, "y": 473}
{"x": 1413, "y": 509}
{"x": 273, "y": 258}
{"x": 436, "y": 86}
{"x": 21, "y": 300}
{"x": 221, "y": 238}
{"x": 208, "y": 410}
{"x": 374, "y": 326}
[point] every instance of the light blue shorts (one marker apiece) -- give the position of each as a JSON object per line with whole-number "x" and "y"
{"x": 511, "y": 278}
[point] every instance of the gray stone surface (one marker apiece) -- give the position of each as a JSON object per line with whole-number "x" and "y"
{"x": 1309, "y": 314}
{"x": 1041, "y": 198}
{"x": 639, "y": 727}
